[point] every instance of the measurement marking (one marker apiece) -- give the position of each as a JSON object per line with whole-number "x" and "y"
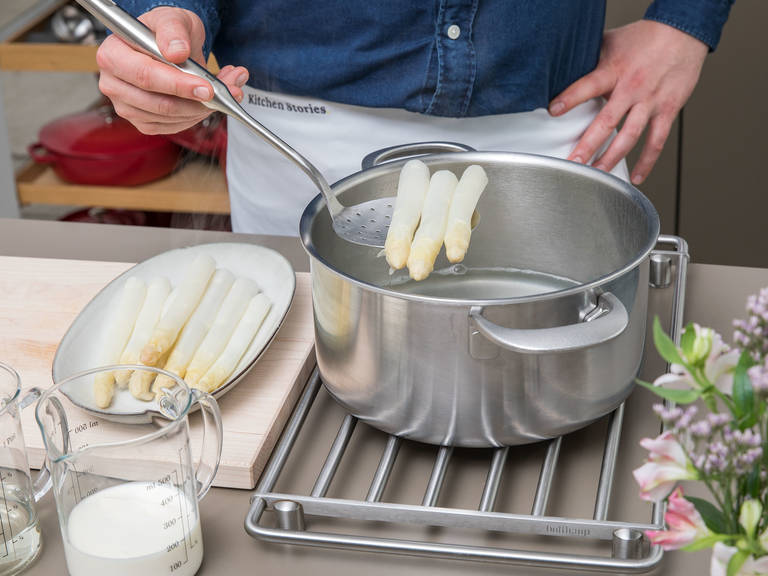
{"x": 187, "y": 501}
{"x": 181, "y": 518}
{"x": 76, "y": 480}
{"x": 8, "y": 517}
{"x": 2, "y": 524}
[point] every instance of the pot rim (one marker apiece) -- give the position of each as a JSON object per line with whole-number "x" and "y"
{"x": 317, "y": 204}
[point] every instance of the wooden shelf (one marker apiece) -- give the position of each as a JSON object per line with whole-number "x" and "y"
{"x": 17, "y": 53}
{"x": 197, "y": 187}
{"x": 51, "y": 57}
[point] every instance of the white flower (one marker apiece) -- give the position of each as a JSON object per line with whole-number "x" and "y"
{"x": 718, "y": 366}
{"x": 721, "y": 555}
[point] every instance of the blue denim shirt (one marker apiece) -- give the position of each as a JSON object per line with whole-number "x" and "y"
{"x": 443, "y": 57}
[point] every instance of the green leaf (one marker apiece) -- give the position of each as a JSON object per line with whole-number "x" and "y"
{"x": 676, "y": 396}
{"x": 707, "y": 542}
{"x": 664, "y": 344}
{"x": 737, "y": 561}
{"x": 711, "y": 514}
{"x": 753, "y": 482}
{"x": 687, "y": 340}
{"x": 743, "y": 395}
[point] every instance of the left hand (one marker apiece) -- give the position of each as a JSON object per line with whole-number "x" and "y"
{"x": 647, "y": 72}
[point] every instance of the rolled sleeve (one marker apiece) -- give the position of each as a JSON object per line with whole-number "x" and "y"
{"x": 702, "y": 19}
{"x": 207, "y": 10}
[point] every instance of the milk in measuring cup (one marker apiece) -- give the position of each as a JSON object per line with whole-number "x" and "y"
{"x": 136, "y": 528}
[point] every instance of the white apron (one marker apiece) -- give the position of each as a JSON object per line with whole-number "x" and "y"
{"x": 268, "y": 192}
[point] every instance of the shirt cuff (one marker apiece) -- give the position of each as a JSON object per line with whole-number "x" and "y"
{"x": 702, "y": 19}
{"x": 205, "y": 9}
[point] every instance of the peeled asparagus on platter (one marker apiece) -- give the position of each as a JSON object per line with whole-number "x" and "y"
{"x": 140, "y": 381}
{"x": 232, "y": 309}
{"x": 434, "y": 217}
{"x": 157, "y": 293}
{"x": 199, "y": 330}
{"x": 117, "y": 331}
{"x": 411, "y": 190}
{"x": 241, "y": 338}
{"x": 459, "y": 228}
{"x": 196, "y": 328}
{"x": 187, "y": 297}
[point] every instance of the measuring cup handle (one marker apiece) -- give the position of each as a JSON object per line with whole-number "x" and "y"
{"x": 43, "y": 483}
{"x": 210, "y": 454}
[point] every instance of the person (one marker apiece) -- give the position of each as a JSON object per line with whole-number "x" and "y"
{"x": 338, "y": 79}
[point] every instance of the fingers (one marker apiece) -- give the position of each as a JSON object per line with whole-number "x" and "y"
{"x": 115, "y": 57}
{"x": 124, "y": 94}
{"x": 155, "y": 113}
{"x": 658, "y": 132}
{"x": 149, "y": 123}
{"x": 600, "y": 129}
{"x": 599, "y": 82}
{"x": 172, "y": 34}
{"x": 235, "y": 78}
{"x": 625, "y": 140}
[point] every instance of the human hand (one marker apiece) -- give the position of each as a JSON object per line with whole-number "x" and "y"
{"x": 153, "y": 96}
{"x": 647, "y": 72}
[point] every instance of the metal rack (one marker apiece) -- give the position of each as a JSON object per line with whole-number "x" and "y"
{"x": 630, "y": 550}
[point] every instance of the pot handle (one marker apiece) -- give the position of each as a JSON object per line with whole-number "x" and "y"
{"x": 415, "y": 149}
{"x": 610, "y": 320}
{"x": 40, "y": 154}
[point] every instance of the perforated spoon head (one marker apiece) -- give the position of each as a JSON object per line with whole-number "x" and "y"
{"x": 366, "y": 223}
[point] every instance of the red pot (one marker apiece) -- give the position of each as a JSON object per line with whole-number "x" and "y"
{"x": 100, "y": 148}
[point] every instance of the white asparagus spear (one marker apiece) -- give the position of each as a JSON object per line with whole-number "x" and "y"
{"x": 434, "y": 217}
{"x": 141, "y": 381}
{"x": 189, "y": 292}
{"x": 196, "y": 328}
{"x": 241, "y": 338}
{"x": 459, "y": 229}
{"x": 157, "y": 293}
{"x": 229, "y": 314}
{"x": 411, "y": 190}
{"x": 117, "y": 331}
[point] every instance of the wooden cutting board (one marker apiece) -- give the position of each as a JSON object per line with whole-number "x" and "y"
{"x": 39, "y": 299}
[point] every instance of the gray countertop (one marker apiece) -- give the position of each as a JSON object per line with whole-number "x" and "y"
{"x": 715, "y": 295}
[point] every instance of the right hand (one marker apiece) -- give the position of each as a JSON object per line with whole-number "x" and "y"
{"x": 153, "y": 96}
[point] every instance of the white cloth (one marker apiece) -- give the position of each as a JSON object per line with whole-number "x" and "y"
{"x": 268, "y": 192}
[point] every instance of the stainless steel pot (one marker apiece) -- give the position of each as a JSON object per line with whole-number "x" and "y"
{"x": 537, "y": 333}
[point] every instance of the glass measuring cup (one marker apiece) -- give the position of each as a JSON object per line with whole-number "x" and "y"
{"x": 20, "y": 540}
{"x": 127, "y": 494}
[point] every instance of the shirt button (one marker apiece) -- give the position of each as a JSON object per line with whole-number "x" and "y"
{"x": 453, "y": 32}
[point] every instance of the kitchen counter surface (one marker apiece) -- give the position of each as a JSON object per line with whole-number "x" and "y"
{"x": 715, "y": 295}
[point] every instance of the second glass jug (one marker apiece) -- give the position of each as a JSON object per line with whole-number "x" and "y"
{"x": 127, "y": 494}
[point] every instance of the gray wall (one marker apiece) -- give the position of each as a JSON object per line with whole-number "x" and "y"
{"x": 713, "y": 167}
{"x": 9, "y": 206}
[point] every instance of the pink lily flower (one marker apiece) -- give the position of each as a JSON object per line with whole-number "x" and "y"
{"x": 718, "y": 367}
{"x": 684, "y": 522}
{"x": 667, "y": 464}
{"x": 721, "y": 555}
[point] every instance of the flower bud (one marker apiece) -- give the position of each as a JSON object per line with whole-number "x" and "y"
{"x": 702, "y": 345}
{"x": 749, "y": 516}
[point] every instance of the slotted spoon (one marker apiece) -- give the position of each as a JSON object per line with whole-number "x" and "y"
{"x": 364, "y": 223}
